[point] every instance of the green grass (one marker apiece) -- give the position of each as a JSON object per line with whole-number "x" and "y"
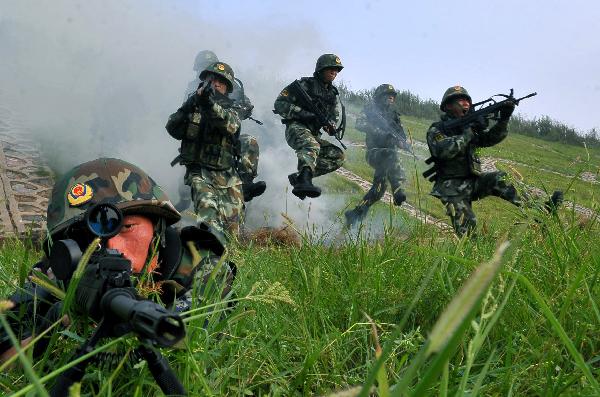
{"x": 361, "y": 313}
{"x": 300, "y": 326}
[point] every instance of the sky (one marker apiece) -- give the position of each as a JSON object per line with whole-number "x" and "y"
{"x": 98, "y": 78}
{"x": 550, "y": 47}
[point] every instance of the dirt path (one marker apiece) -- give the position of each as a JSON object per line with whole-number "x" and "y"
{"x": 387, "y": 197}
{"x": 489, "y": 165}
{"x": 25, "y": 180}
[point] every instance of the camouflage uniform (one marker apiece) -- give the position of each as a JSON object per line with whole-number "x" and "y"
{"x": 303, "y": 130}
{"x": 458, "y": 179}
{"x": 209, "y": 134}
{"x": 182, "y": 255}
{"x": 247, "y": 166}
{"x": 385, "y": 135}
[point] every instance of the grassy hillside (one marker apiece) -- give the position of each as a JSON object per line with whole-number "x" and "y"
{"x": 314, "y": 319}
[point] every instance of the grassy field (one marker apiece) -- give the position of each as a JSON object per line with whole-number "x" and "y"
{"x": 411, "y": 311}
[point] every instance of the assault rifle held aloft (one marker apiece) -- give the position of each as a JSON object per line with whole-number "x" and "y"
{"x": 309, "y": 104}
{"x": 483, "y": 114}
{"x": 479, "y": 118}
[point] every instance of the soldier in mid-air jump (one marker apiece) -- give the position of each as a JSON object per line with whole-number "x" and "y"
{"x": 316, "y": 156}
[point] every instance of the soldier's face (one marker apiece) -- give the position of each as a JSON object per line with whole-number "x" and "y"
{"x": 458, "y": 107}
{"x": 134, "y": 240}
{"x": 329, "y": 74}
{"x": 390, "y": 99}
{"x": 219, "y": 84}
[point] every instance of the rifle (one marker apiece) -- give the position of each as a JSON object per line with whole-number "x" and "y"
{"x": 479, "y": 117}
{"x": 390, "y": 126}
{"x": 105, "y": 293}
{"x": 245, "y": 108}
{"x": 317, "y": 109}
{"x": 484, "y": 113}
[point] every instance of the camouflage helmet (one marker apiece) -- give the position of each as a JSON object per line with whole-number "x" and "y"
{"x": 204, "y": 59}
{"x": 106, "y": 180}
{"x": 221, "y": 69}
{"x": 452, "y": 93}
{"x": 328, "y": 61}
{"x": 384, "y": 89}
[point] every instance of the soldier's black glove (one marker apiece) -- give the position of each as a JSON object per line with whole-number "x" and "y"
{"x": 190, "y": 104}
{"x": 480, "y": 124}
{"x": 506, "y": 111}
{"x": 205, "y": 99}
{"x": 307, "y": 116}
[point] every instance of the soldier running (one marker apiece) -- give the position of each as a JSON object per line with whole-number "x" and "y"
{"x": 209, "y": 129}
{"x": 380, "y": 121}
{"x": 458, "y": 177}
{"x": 316, "y": 156}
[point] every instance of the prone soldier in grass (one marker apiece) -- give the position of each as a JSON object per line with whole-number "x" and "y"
{"x": 316, "y": 156}
{"x": 180, "y": 260}
{"x": 385, "y": 136}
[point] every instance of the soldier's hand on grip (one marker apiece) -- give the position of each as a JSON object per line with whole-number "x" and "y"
{"x": 204, "y": 94}
{"x": 507, "y": 110}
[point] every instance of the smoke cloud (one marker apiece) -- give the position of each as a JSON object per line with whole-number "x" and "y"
{"x": 100, "y": 79}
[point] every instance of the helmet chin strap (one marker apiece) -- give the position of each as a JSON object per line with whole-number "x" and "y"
{"x": 158, "y": 242}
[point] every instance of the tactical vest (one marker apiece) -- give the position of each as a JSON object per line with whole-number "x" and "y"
{"x": 384, "y": 139}
{"x": 320, "y": 94}
{"x": 464, "y": 165}
{"x": 207, "y": 146}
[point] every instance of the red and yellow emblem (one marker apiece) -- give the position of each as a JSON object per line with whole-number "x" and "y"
{"x": 79, "y": 194}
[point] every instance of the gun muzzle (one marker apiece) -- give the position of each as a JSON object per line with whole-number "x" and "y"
{"x": 146, "y": 318}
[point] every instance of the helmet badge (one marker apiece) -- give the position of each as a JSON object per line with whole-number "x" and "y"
{"x": 457, "y": 88}
{"x": 337, "y": 60}
{"x": 80, "y": 193}
{"x": 220, "y": 66}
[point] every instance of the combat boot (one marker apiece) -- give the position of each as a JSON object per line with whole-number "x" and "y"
{"x": 554, "y": 202}
{"x": 399, "y": 197}
{"x": 355, "y": 215}
{"x": 253, "y": 189}
{"x": 304, "y": 186}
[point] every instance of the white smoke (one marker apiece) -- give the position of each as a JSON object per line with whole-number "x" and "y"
{"x": 100, "y": 79}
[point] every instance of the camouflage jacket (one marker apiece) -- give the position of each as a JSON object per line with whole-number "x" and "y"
{"x": 241, "y": 103}
{"x": 382, "y": 127}
{"x": 454, "y": 151}
{"x": 325, "y": 96}
{"x": 209, "y": 135}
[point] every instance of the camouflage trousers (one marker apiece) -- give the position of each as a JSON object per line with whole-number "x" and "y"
{"x": 458, "y": 194}
{"x": 219, "y": 205}
{"x": 249, "y": 152}
{"x": 247, "y": 168}
{"x": 386, "y": 163}
{"x": 203, "y": 290}
{"x": 320, "y": 155}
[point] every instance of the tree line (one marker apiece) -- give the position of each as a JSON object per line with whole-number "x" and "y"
{"x": 539, "y": 127}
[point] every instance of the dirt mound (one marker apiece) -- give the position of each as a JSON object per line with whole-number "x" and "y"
{"x": 283, "y": 236}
